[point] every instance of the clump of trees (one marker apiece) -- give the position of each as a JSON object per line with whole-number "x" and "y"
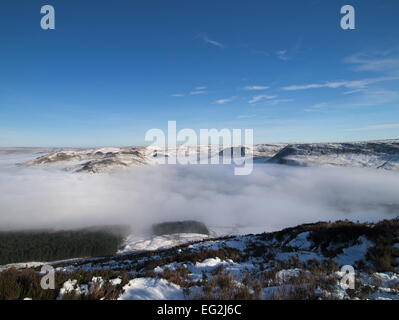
{"x": 23, "y": 246}
{"x": 190, "y": 226}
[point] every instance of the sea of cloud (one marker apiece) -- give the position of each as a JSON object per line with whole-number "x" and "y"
{"x": 271, "y": 198}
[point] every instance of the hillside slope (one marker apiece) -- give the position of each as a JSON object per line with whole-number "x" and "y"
{"x": 296, "y": 263}
{"x": 373, "y": 154}
{"x": 382, "y": 154}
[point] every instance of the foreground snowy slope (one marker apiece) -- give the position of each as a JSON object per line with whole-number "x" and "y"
{"x": 296, "y": 263}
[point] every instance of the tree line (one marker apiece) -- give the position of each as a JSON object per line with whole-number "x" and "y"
{"x": 25, "y": 246}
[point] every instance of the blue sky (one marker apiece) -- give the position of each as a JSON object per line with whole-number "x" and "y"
{"x": 114, "y": 69}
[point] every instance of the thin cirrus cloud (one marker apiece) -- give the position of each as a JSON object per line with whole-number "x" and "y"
{"x": 332, "y": 85}
{"x": 278, "y": 101}
{"x": 260, "y": 98}
{"x": 224, "y": 101}
{"x": 354, "y": 84}
{"x": 282, "y": 55}
{"x": 365, "y": 98}
{"x": 317, "y": 107}
{"x": 212, "y": 42}
{"x": 382, "y": 61}
{"x": 256, "y": 88}
{"x": 196, "y": 92}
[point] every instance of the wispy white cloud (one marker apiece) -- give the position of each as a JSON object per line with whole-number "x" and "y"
{"x": 198, "y": 92}
{"x": 282, "y": 55}
{"x": 256, "y": 88}
{"x": 333, "y": 85}
{"x": 317, "y": 107}
{"x": 379, "y": 61}
{"x": 354, "y": 84}
{"x": 224, "y": 101}
{"x": 278, "y": 101}
{"x": 374, "y": 97}
{"x": 385, "y": 62}
{"x": 368, "y": 97}
{"x": 212, "y": 42}
{"x": 355, "y": 91}
{"x": 376, "y": 127}
{"x": 289, "y": 54}
{"x": 260, "y": 97}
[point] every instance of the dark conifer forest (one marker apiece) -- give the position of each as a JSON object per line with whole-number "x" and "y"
{"x": 49, "y": 245}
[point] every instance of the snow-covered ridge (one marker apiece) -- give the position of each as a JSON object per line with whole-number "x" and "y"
{"x": 108, "y": 159}
{"x": 93, "y": 160}
{"x": 382, "y": 154}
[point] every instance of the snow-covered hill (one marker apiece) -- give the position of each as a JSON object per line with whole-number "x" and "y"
{"x": 382, "y": 154}
{"x": 109, "y": 159}
{"x": 93, "y": 160}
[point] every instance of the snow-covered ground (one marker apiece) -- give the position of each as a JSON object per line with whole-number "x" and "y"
{"x": 151, "y": 289}
{"x": 138, "y": 243}
{"x": 383, "y": 154}
{"x": 303, "y": 262}
{"x": 296, "y": 263}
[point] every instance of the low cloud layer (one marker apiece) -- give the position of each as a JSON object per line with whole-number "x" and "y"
{"x": 271, "y": 198}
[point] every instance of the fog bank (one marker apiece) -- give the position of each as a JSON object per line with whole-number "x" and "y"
{"x": 272, "y": 197}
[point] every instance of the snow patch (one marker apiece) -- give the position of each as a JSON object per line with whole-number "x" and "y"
{"x": 134, "y": 243}
{"x": 287, "y": 274}
{"x": 355, "y": 253}
{"x": 151, "y": 289}
{"x": 301, "y": 241}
